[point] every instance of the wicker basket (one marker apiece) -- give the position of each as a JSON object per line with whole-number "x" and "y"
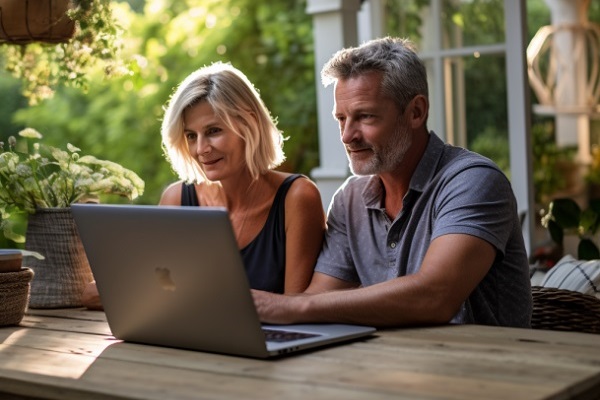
{"x": 14, "y": 295}
{"x": 565, "y": 310}
{"x": 62, "y": 276}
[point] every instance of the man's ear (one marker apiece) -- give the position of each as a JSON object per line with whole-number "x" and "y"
{"x": 418, "y": 109}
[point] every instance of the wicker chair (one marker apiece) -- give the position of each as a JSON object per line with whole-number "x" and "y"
{"x": 565, "y": 310}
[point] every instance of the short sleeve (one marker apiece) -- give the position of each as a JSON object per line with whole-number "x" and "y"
{"x": 335, "y": 258}
{"x": 477, "y": 201}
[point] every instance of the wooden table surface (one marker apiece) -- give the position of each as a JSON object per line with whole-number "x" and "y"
{"x": 70, "y": 354}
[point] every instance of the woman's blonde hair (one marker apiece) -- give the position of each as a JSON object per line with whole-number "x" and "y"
{"x": 234, "y": 99}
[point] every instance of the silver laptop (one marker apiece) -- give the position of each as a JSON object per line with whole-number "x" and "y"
{"x": 173, "y": 276}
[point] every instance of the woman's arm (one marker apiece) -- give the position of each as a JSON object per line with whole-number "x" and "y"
{"x": 305, "y": 228}
{"x": 171, "y": 196}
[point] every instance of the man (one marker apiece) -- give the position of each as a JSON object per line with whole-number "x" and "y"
{"x": 424, "y": 232}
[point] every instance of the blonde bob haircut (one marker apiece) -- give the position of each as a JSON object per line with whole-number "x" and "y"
{"x": 237, "y": 103}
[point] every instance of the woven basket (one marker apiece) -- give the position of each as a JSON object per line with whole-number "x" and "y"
{"x": 565, "y": 310}
{"x": 14, "y": 294}
{"x": 62, "y": 276}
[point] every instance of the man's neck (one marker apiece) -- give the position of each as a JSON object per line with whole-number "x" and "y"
{"x": 396, "y": 183}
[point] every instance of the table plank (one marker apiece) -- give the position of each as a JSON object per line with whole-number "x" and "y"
{"x": 90, "y": 324}
{"x": 449, "y": 362}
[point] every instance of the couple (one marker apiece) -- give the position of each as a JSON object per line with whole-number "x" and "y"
{"x": 422, "y": 233}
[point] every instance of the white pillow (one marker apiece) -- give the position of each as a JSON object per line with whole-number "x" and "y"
{"x": 577, "y": 275}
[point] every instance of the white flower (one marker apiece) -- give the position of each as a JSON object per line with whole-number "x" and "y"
{"x": 23, "y": 170}
{"x": 72, "y": 148}
{"x": 30, "y": 133}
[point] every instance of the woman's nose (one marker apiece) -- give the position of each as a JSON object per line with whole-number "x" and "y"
{"x": 202, "y": 145}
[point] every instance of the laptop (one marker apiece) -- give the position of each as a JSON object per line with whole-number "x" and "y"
{"x": 173, "y": 276}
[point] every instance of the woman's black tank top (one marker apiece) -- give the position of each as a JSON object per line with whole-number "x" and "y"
{"x": 264, "y": 257}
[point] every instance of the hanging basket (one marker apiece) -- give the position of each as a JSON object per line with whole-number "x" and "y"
{"x": 27, "y": 21}
{"x": 62, "y": 276}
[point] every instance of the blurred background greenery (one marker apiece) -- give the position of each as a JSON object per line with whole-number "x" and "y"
{"x": 119, "y": 118}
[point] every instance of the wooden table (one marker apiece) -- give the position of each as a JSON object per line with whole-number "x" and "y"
{"x": 70, "y": 354}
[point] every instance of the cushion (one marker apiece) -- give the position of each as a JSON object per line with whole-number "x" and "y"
{"x": 576, "y": 275}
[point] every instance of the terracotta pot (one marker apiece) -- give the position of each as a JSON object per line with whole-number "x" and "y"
{"x": 27, "y": 21}
{"x": 10, "y": 260}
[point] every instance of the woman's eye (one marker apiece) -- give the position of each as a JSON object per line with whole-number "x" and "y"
{"x": 190, "y": 136}
{"x": 212, "y": 131}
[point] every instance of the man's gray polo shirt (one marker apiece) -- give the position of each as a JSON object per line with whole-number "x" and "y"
{"x": 453, "y": 191}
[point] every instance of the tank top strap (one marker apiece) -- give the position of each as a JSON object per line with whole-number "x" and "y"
{"x": 189, "y": 197}
{"x": 282, "y": 192}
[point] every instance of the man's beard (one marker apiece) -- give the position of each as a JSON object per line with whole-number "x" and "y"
{"x": 385, "y": 157}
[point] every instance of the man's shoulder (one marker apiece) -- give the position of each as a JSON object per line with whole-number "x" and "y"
{"x": 458, "y": 159}
{"x": 357, "y": 191}
{"x": 355, "y": 182}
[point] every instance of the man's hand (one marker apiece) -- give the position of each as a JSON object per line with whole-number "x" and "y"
{"x": 277, "y": 308}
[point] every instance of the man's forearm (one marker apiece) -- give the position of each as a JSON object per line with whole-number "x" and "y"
{"x": 393, "y": 303}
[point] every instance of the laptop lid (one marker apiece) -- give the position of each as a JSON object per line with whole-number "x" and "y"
{"x": 173, "y": 276}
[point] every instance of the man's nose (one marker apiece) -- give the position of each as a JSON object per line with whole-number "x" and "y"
{"x": 348, "y": 131}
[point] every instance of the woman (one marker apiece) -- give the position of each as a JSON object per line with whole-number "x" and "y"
{"x": 222, "y": 142}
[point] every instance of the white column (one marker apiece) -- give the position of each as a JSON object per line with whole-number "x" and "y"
{"x": 571, "y": 128}
{"x": 519, "y": 111}
{"x": 371, "y": 20}
{"x": 334, "y": 28}
{"x": 430, "y": 52}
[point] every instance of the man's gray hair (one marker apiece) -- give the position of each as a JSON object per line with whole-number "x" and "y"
{"x": 404, "y": 74}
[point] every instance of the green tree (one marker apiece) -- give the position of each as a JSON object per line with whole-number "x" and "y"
{"x": 119, "y": 119}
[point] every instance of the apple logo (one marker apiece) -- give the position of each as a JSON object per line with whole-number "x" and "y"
{"x": 163, "y": 275}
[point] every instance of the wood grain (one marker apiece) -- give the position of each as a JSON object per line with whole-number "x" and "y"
{"x": 70, "y": 354}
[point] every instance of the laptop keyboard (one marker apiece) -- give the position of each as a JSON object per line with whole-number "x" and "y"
{"x": 272, "y": 335}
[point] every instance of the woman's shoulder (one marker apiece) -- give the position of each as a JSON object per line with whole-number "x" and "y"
{"x": 299, "y": 185}
{"x": 171, "y": 196}
{"x": 302, "y": 192}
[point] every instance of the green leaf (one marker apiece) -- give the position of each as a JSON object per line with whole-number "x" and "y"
{"x": 587, "y": 250}
{"x": 566, "y": 212}
{"x": 35, "y": 254}
{"x": 595, "y": 205}
{"x": 588, "y": 222}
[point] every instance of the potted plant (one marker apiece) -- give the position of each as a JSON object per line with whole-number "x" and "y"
{"x": 50, "y": 177}
{"x": 43, "y": 181}
{"x": 565, "y": 217}
{"x": 554, "y": 168}
{"x": 40, "y": 65}
{"x": 592, "y": 177}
